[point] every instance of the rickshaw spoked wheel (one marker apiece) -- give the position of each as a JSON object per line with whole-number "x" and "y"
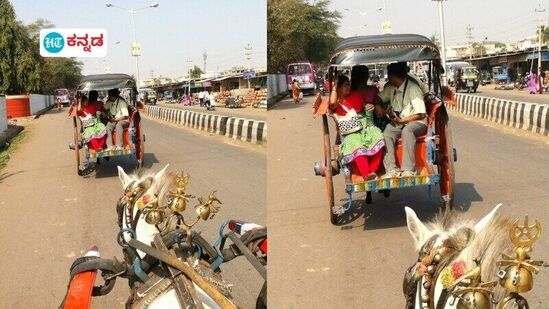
{"x": 328, "y": 176}
{"x": 446, "y": 167}
{"x": 76, "y": 145}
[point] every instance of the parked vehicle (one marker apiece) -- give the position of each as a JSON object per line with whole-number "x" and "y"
{"x": 304, "y": 74}
{"x": 435, "y": 152}
{"x": 62, "y": 95}
{"x": 485, "y": 78}
{"x": 234, "y": 102}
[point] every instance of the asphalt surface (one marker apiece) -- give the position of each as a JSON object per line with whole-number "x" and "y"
{"x": 245, "y": 112}
{"x": 361, "y": 263}
{"x": 50, "y": 216}
{"x": 515, "y": 94}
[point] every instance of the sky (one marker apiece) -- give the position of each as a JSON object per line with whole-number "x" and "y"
{"x": 171, "y": 34}
{"x": 497, "y": 20}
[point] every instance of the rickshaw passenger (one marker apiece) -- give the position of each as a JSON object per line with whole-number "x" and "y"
{"x": 363, "y": 148}
{"x": 407, "y": 119}
{"x": 118, "y": 115}
{"x": 94, "y": 131}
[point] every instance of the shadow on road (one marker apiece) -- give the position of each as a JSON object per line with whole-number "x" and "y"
{"x": 389, "y": 212}
{"x": 465, "y": 194}
{"x": 107, "y": 169}
{"x": 4, "y": 176}
{"x": 288, "y": 105}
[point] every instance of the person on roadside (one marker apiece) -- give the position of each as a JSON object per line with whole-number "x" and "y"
{"x": 201, "y": 98}
{"x": 533, "y": 82}
{"x": 58, "y": 103}
{"x": 407, "y": 112}
{"x": 296, "y": 91}
{"x": 116, "y": 111}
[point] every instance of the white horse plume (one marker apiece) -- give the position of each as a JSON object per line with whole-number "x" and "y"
{"x": 463, "y": 242}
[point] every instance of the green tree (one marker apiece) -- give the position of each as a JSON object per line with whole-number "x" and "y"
{"x": 195, "y": 72}
{"x": 19, "y": 62}
{"x": 298, "y": 30}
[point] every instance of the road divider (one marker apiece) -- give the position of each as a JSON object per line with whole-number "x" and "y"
{"x": 248, "y": 130}
{"x": 533, "y": 117}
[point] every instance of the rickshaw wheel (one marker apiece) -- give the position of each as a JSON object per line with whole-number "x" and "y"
{"x": 76, "y": 147}
{"x": 261, "y": 302}
{"x": 446, "y": 169}
{"x": 328, "y": 177}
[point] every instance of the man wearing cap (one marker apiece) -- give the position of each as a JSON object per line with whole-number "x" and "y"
{"x": 407, "y": 114}
{"x": 117, "y": 113}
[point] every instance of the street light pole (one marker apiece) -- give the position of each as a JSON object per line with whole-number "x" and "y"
{"x": 540, "y": 11}
{"x": 132, "y": 12}
{"x": 442, "y": 41}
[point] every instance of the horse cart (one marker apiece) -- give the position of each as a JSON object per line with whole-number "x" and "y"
{"x": 434, "y": 150}
{"x": 133, "y": 137}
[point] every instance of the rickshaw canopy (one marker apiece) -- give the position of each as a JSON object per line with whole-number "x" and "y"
{"x": 370, "y": 49}
{"x": 106, "y": 82}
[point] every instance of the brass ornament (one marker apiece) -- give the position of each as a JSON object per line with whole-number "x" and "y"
{"x": 516, "y": 273}
{"x": 207, "y": 208}
{"x": 471, "y": 292}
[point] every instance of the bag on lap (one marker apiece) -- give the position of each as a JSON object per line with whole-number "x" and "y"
{"x": 350, "y": 123}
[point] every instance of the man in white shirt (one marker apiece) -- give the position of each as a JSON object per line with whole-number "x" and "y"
{"x": 407, "y": 113}
{"x": 201, "y": 98}
{"x": 118, "y": 115}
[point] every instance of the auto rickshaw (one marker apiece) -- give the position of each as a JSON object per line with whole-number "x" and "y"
{"x": 434, "y": 152}
{"x": 468, "y": 79}
{"x": 133, "y": 138}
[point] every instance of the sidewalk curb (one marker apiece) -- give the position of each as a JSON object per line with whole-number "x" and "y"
{"x": 248, "y": 130}
{"x": 533, "y": 117}
{"x": 9, "y": 134}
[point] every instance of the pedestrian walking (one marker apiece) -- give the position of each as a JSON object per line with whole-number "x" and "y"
{"x": 296, "y": 92}
{"x": 201, "y": 98}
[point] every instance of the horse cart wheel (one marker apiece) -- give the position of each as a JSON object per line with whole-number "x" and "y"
{"x": 75, "y": 141}
{"x": 446, "y": 167}
{"x": 328, "y": 177}
{"x": 140, "y": 145}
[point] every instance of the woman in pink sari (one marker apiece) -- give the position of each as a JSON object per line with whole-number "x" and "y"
{"x": 533, "y": 82}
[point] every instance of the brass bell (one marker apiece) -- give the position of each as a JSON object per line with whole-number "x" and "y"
{"x": 178, "y": 204}
{"x": 431, "y": 269}
{"x": 517, "y": 279}
{"x": 437, "y": 258}
{"x": 203, "y": 211}
{"x": 474, "y": 299}
{"x": 425, "y": 298}
{"x": 154, "y": 217}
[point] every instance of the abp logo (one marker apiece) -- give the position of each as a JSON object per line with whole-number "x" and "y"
{"x": 54, "y": 42}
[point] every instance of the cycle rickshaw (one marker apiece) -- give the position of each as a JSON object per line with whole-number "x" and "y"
{"x": 133, "y": 137}
{"x": 434, "y": 150}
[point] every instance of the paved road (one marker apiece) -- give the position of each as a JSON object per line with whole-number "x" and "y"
{"x": 515, "y": 94}
{"x": 248, "y": 112}
{"x": 50, "y": 215}
{"x": 314, "y": 264}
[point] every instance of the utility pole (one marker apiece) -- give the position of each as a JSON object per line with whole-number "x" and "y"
{"x": 189, "y": 61}
{"x": 469, "y": 35}
{"x": 442, "y": 41}
{"x": 152, "y": 74}
{"x": 540, "y": 11}
{"x": 248, "y": 53}
{"x": 205, "y": 56}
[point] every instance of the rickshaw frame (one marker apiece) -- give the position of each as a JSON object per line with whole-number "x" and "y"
{"x": 136, "y": 138}
{"x": 378, "y": 49}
